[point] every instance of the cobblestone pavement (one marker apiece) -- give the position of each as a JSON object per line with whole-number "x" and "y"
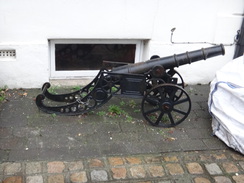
{"x": 223, "y": 166}
{"x": 99, "y": 147}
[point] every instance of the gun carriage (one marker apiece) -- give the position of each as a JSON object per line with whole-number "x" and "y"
{"x": 165, "y": 103}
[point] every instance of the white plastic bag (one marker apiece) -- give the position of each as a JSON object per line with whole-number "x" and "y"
{"x": 226, "y": 104}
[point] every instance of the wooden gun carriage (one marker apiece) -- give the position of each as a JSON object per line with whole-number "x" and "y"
{"x": 165, "y": 103}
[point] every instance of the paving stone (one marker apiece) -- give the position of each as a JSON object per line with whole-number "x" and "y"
{"x": 238, "y": 178}
{"x": 194, "y": 168}
{"x": 34, "y": 179}
{"x": 230, "y": 167}
{"x": 56, "y": 178}
{"x": 119, "y": 173}
{"x": 193, "y": 144}
{"x": 86, "y": 151}
{"x": 156, "y": 171}
{"x": 219, "y": 156}
{"x": 99, "y": 175}
{"x": 47, "y": 142}
{"x": 33, "y": 167}
{"x": 170, "y": 158}
{"x": 200, "y": 133}
{"x": 26, "y": 132}
{"x": 175, "y": 169}
{"x": 11, "y": 143}
{"x": 153, "y": 159}
{"x": 222, "y": 179}
{"x": 213, "y": 169}
{"x": 137, "y": 172}
{"x": 214, "y": 143}
{"x": 76, "y": 165}
{"x": 5, "y": 132}
{"x": 12, "y": 168}
{"x": 115, "y": 161}
{"x": 190, "y": 157}
{"x": 133, "y": 160}
{"x": 201, "y": 180}
{"x": 237, "y": 156}
{"x": 95, "y": 163}
{"x": 55, "y": 167}
{"x": 113, "y": 148}
{"x": 142, "y": 147}
{"x": 24, "y": 155}
{"x": 241, "y": 163}
{"x": 4, "y": 154}
{"x": 78, "y": 177}
{"x": 205, "y": 157}
{"x": 166, "y": 146}
{"x": 212, "y": 157}
{"x": 2, "y": 165}
{"x": 13, "y": 179}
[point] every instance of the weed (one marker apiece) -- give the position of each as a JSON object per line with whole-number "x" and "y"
{"x": 161, "y": 132}
{"x": 114, "y": 89}
{"x": 122, "y": 103}
{"x": 132, "y": 103}
{"x": 53, "y": 90}
{"x": 129, "y": 118}
{"x": 137, "y": 110}
{"x": 2, "y": 93}
{"x": 83, "y": 94}
{"x": 53, "y": 115}
{"x": 115, "y": 110}
{"x": 101, "y": 113}
{"x": 165, "y": 119}
{"x": 90, "y": 89}
{"x": 76, "y": 88}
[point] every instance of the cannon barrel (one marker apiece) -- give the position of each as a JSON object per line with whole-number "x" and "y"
{"x": 175, "y": 60}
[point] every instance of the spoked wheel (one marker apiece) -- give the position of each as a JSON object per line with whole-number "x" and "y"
{"x": 179, "y": 80}
{"x": 174, "y": 74}
{"x": 171, "y": 105}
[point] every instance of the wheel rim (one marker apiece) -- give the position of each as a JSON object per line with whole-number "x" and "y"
{"x": 171, "y": 105}
{"x": 174, "y": 73}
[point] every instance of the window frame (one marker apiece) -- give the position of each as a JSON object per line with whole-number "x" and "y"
{"x": 54, "y": 74}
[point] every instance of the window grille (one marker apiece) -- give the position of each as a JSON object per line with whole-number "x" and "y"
{"x": 7, "y": 54}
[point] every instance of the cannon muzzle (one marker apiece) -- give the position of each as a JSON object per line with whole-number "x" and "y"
{"x": 169, "y": 62}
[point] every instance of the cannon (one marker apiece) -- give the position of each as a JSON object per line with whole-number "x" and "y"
{"x": 165, "y": 103}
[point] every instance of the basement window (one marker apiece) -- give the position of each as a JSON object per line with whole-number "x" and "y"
{"x": 70, "y": 59}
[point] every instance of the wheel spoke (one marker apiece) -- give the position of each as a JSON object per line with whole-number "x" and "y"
{"x": 171, "y": 119}
{"x": 181, "y": 101}
{"x": 162, "y": 93}
{"x": 173, "y": 94}
{"x": 151, "y": 111}
{"x": 159, "y": 118}
{"x": 179, "y": 111}
{"x": 153, "y": 99}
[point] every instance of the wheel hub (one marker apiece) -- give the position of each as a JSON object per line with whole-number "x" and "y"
{"x": 167, "y": 107}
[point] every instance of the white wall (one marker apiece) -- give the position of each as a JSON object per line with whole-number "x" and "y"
{"x": 27, "y": 25}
